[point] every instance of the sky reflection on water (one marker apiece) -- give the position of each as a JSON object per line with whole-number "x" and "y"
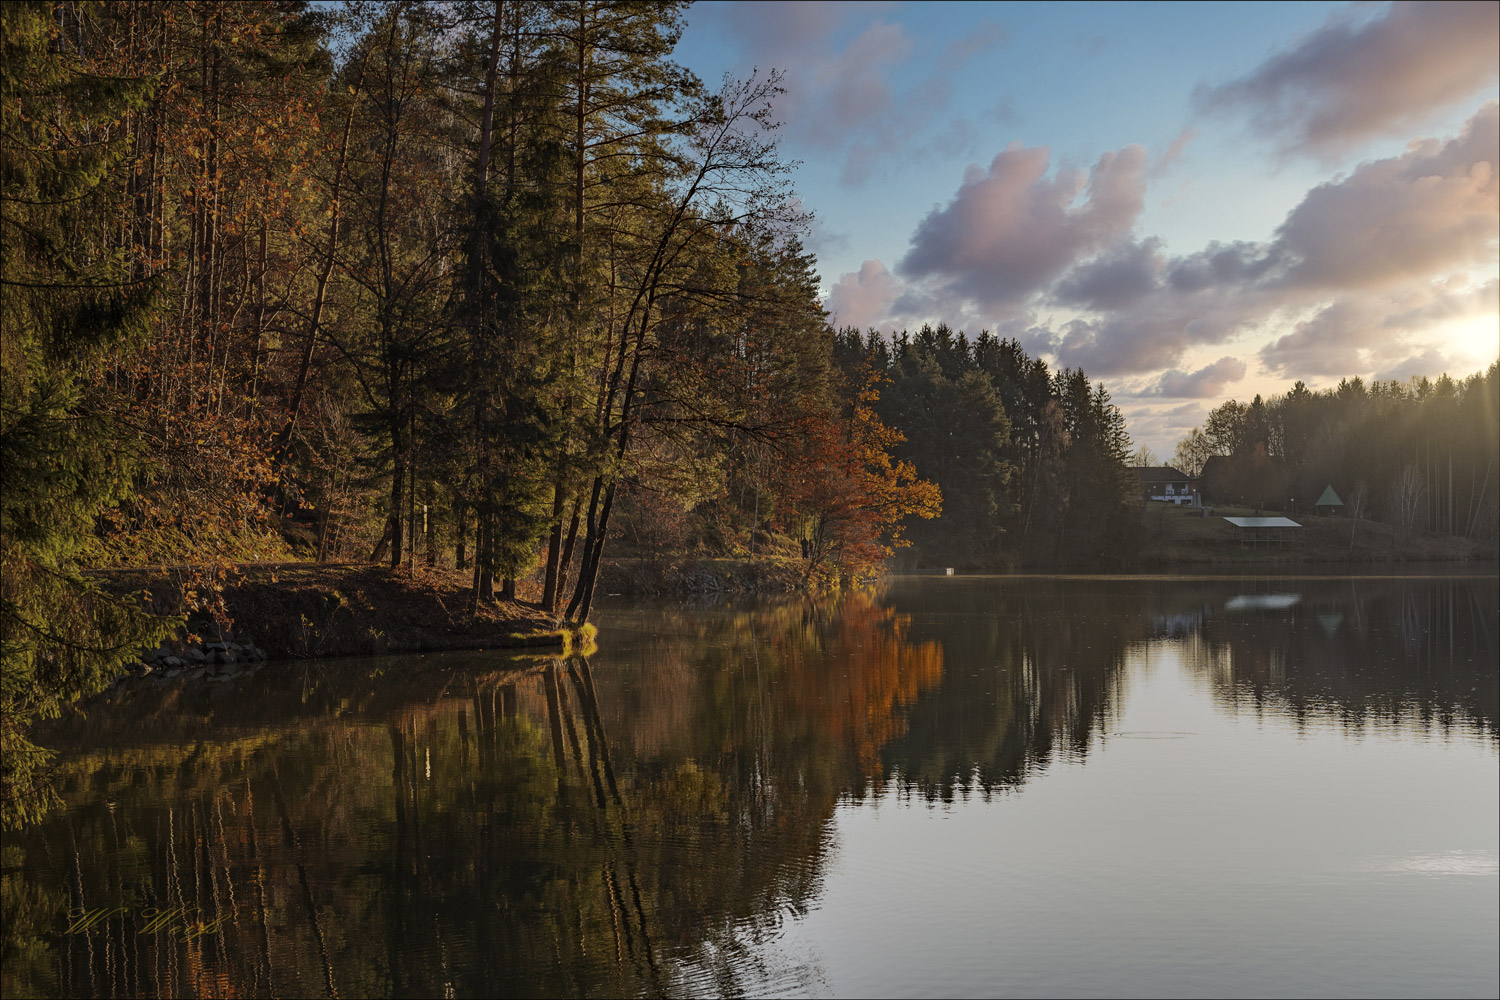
{"x": 988, "y": 786}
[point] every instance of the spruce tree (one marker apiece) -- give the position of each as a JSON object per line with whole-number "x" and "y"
{"x": 70, "y": 315}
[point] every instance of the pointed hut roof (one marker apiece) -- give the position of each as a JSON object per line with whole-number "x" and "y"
{"x": 1329, "y": 499}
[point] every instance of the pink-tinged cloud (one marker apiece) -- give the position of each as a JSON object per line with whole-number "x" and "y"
{"x": 864, "y": 298}
{"x": 1356, "y": 78}
{"x": 985, "y": 36}
{"x": 1361, "y": 274}
{"x": 1335, "y": 340}
{"x": 1153, "y": 335}
{"x": 1429, "y": 362}
{"x": 1361, "y": 271}
{"x": 1375, "y": 332}
{"x": 1173, "y": 152}
{"x": 838, "y": 98}
{"x": 1454, "y": 300}
{"x": 851, "y": 87}
{"x": 1158, "y": 427}
{"x": 783, "y": 29}
{"x": 1431, "y": 208}
{"x": 1207, "y": 382}
{"x": 832, "y": 92}
{"x": 1114, "y": 280}
{"x": 1012, "y": 229}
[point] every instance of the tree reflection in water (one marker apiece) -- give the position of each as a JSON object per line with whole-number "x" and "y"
{"x": 638, "y": 822}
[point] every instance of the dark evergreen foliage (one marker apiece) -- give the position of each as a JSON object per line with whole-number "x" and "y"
{"x": 69, "y": 311}
{"x": 1031, "y": 464}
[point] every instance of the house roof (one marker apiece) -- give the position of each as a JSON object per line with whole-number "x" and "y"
{"x": 1329, "y": 499}
{"x": 1262, "y": 522}
{"x": 1160, "y": 474}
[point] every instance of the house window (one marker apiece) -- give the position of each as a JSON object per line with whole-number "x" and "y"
{"x": 1169, "y": 489}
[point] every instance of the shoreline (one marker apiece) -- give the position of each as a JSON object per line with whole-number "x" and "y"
{"x": 301, "y": 611}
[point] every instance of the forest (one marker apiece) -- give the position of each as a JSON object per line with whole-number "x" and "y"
{"x": 478, "y": 286}
{"x": 1032, "y": 464}
{"x": 1422, "y": 455}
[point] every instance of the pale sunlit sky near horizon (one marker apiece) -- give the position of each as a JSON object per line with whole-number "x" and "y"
{"x": 1189, "y": 201}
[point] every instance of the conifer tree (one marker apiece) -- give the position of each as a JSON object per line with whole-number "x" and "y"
{"x": 71, "y": 313}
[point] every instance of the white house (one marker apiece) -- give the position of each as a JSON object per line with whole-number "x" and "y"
{"x": 1168, "y": 484}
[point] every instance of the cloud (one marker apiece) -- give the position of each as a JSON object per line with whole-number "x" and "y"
{"x": 986, "y": 35}
{"x": 1173, "y": 152}
{"x": 849, "y": 92}
{"x": 781, "y": 29}
{"x": 1389, "y": 265}
{"x": 1358, "y": 78}
{"x": 861, "y": 299}
{"x": 1389, "y": 332}
{"x": 1450, "y": 301}
{"x": 1124, "y": 275}
{"x": 1207, "y": 382}
{"x": 1012, "y": 229}
{"x": 1160, "y": 428}
{"x": 820, "y": 237}
{"x": 1364, "y": 271}
{"x": 1002, "y": 112}
{"x": 1429, "y": 361}
{"x": 1431, "y": 208}
{"x": 1154, "y": 335}
{"x": 840, "y": 61}
{"x": 1336, "y": 339}
{"x": 833, "y": 91}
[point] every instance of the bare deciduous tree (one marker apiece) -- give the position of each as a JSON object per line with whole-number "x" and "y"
{"x": 1408, "y": 493}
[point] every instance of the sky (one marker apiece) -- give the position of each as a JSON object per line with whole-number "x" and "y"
{"x": 1191, "y": 202}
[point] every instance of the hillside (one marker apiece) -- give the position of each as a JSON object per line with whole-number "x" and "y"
{"x": 1175, "y": 536}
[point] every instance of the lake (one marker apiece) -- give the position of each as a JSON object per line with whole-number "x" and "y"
{"x": 1008, "y": 786}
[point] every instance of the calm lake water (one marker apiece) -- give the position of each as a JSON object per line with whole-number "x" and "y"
{"x": 951, "y": 786}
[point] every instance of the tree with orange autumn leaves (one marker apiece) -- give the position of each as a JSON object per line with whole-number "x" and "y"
{"x": 850, "y": 495}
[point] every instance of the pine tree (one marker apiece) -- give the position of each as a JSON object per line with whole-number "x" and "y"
{"x": 71, "y": 314}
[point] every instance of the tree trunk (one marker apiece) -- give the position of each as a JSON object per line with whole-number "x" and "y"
{"x": 461, "y": 516}
{"x": 398, "y": 481}
{"x": 554, "y": 550}
{"x": 484, "y": 582}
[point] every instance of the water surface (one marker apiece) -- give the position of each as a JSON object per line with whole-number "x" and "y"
{"x": 952, "y": 786}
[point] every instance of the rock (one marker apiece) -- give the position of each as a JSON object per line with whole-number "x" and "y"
{"x": 173, "y": 661}
{"x": 258, "y": 654}
{"x": 216, "y": 647}
{"x": 158, "y": 654}
{"x": 195, "y": 656}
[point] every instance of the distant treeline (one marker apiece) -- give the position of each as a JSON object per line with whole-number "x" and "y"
{"x": 1032, "y": 463}
{"x": 1422, "y": 455}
